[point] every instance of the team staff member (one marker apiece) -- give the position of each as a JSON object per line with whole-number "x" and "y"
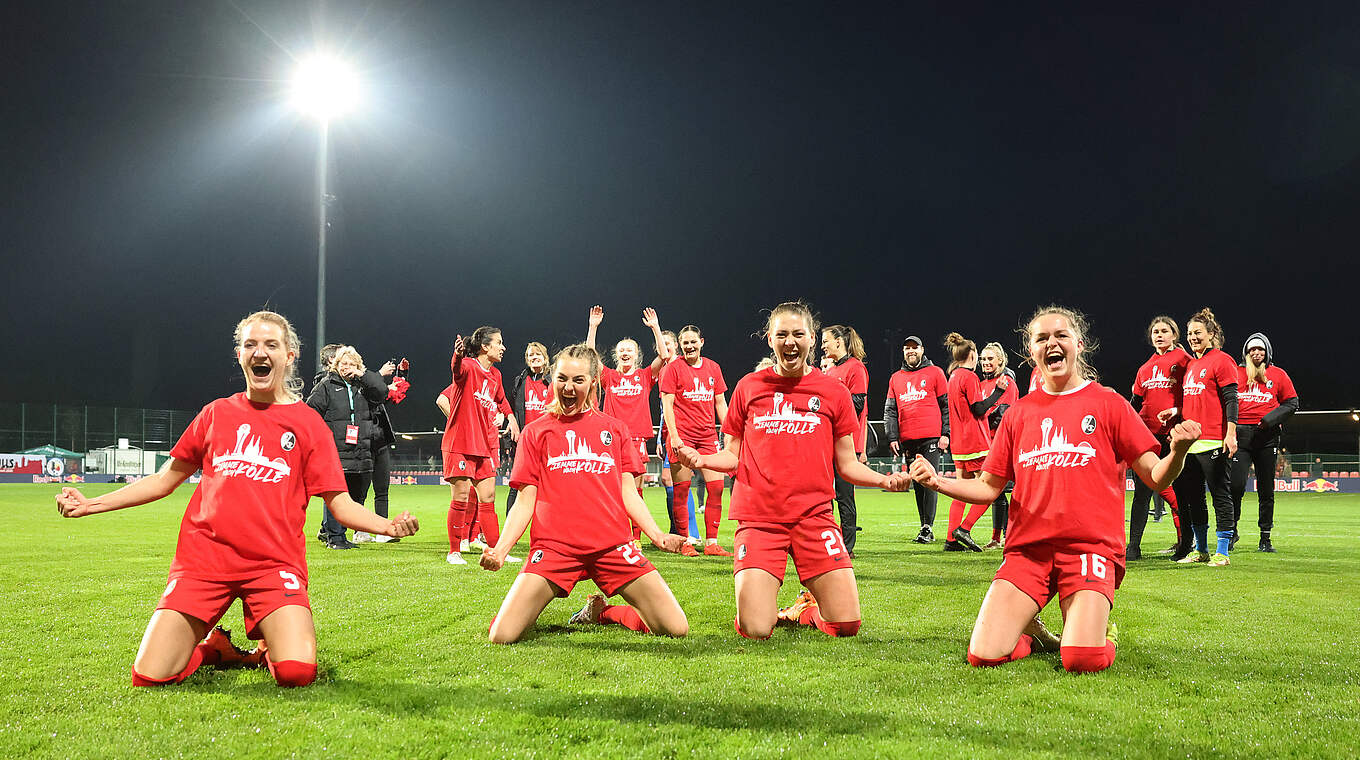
{"x": 968, "y": 409}
{"x": 384, "y": 437}
{"x": 790, "y": 429}
{"x": 842, "y": 345}
{"x": 692, "y": 393}
{"x": 1156, "y": 388}
{"x": 263, "y": 455}
{"x": 1210, "y": 398}
{"x": 627, "y": 387}
{"x": 530, "y": 394}
{"x": 991, "y": 367}
{"x": 575, "y": 467}
{"x": 1266, "y": 398}
{"x": 470, "y": 436}
{"x": 916, "y": 420}
{"x": 1064, "y": 446}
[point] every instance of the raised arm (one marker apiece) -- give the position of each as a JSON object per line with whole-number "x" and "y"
{"x": 456, "y": 363}
{"x": 650, "y": 319}
{"x": 72, "y": 503}
{"x": 593, "y": 325}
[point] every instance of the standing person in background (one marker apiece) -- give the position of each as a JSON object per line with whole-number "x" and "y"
{"x": 968, "y": 410}
{"x": 530, "y": 395}
{"x": 627, "y": 386}
{"x": 345, "y": 399}
{"x": 916, "y": 420}
{"x": 992, "y": 363}
{"x": 692, "y": 394}
{"x": 663, "y": 451}
{"x": 384, "y": 437}
{"x": 1210, "y": 398}
{"x": 1156, "y": 388}
{"x": 1266, "y": 398}
{"x": 470, "y": 437}
{"x": 842, "y": 345}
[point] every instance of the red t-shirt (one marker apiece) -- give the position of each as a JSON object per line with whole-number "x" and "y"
{"x": 695, "y": 389}
{"x": 852, "y": 373}
{"x": 474, "y": 400}
{"x": 1008, "y": 396}
{"x": 968, "y": 434}
{"x": 788, "y": 428}
{"x": 260, "y": 462}
{"x": 1256, "y": 400}
{"x": 1066, "y": 454}
{"x": 918, "y": 407}
{"x": 536, "y": 393}
{"x": 577, "y": 464}
{"x": 1036, "y": 379}
{"x": 627, "y": 397}
{"x": 1159, "y": 383}
{"x": 1203, "y": 378}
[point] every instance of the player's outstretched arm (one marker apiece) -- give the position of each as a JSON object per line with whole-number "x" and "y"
{"x": 857, "y": 473}
{"x": 637, "y": 511}
{"x": 1159, "y": 473}
{"x": 493, "y": 557}
{"x": 724, "y": 461}
{"x": 980, "y": 490}
{"x": 354, "y": 516}
{"x": 593, "y": 325}
{"x": 72, "y": 503}
{"x": 651, "y": 320}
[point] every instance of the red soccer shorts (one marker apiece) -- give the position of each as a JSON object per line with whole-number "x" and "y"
{"x": 969, "y": 465}
{"x": 209, "y": 600}
{"x": 702, "y": 445}
{"x": 1042, "y": 572}
{"x": 642, "y": 449}
{"x": 815, "y": 544}
{"x": 610, "y": 569}
{"x": 464, "y": 466}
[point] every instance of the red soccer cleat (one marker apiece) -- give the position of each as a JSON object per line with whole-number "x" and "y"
{"x": 713, "y": 550}
{"x": 794, "y": 612}
{"x": 687, "y": 550}
{"x": 228, "y": 654}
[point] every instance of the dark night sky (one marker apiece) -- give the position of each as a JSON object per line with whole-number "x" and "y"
{"x": 905, "y": 170}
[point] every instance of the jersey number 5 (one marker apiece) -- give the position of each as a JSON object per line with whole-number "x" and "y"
{"x": 290, "y": 581}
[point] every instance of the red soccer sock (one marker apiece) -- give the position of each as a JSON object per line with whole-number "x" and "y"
{"x": 1021, "y": 651}
{"x": 195, "y": 661}
{"x": 713, "y": 509}
{"x": 680, "y": 508}
{"x": 975, "y": 513}
{"x": 622, "y": 614}
{"x": 491, "y": 527}
{"x": 474, "y": 525}
{"x": 813, "y": 617}
{"x": 457, "y": 509}
{"x": 1088, "y": 659}
{"x": 955, "y": 517}
{"x": 292, "y": 673}
{"x": 637, "y": 530}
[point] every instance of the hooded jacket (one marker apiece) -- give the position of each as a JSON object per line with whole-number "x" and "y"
{"x": 1287, "y": 407}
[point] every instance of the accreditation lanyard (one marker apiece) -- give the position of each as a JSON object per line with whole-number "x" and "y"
{"x": 352, "y": 429}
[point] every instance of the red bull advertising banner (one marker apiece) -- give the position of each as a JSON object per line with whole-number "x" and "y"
{"x": 1296, "y": 485}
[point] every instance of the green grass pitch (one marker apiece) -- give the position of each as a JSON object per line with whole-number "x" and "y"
{"x": 1257, "y": 660}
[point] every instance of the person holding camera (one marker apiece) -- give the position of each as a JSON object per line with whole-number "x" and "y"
{"x": 345, "y": 397}
{"x": 384, "y": 437}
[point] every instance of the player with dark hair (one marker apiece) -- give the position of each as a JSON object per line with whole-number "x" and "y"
{"x": 1157, "y": 388}
{"x": 263, "y": 454}
{"x": 916, "y": 420}
{"x": 842, "y": 345}
{"x": 1065, "y": 446}
{"x": 1266, "y": 399}
{"x": 789, "y": 430}
{"x": 692, "y": 394}
{"x": 575, "y": 469}
{"x": 968, "y": 413}
{"x": 991, "y": 368}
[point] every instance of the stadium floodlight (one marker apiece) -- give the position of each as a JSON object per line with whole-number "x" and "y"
{"x": 324, "y": 87}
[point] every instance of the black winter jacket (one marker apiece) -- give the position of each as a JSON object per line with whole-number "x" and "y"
{"x": 330, "y": 397}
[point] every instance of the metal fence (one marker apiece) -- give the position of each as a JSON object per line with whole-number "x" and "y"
{"x": 87, "y": 428}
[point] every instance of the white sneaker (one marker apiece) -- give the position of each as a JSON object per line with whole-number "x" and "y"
{"x": 693, "y": 541}
{"x": 381, "y": 539}
{"x": 360, "y": 537}
{"x": 476, "y": 544}
{"x": 454, "y": 558}
{"x": 462, "y": 547}
{"x": 512, "y": 560}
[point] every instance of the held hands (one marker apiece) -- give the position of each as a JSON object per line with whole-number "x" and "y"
{"x": 490, "y": 561}
{"x": 649, "y": 318}
{"x": 72, "y": 503}
{"x": 403, "y": 525}
{"x": 596, "y": 315}
{"x": 1184, "y": 434}
{"x": 896, "y": 482}
{"x": 687, "y": 457}
{"x": 670, "y": 542}
{"x": 923, "y": 473}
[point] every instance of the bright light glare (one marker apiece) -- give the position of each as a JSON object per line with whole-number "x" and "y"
{"x": 324, "y": 87}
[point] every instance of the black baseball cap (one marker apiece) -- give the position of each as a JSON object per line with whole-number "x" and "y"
{"x": 913, "y": 339}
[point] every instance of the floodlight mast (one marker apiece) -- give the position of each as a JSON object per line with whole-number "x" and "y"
{"x": 323, "y": 88}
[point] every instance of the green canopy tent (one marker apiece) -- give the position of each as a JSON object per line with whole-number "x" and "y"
{"x": 52, "y": 451}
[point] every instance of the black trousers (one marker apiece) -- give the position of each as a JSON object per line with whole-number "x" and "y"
{"x": 1259, "y": 449}
{"x": 925, "y": 498}
{"x": 1142, "y": 498}
{"x": 357, "y": 484}
{"x": 845, "y": 506}
{"x": 382, "y": 472}
{"x": 1207, "y": 470}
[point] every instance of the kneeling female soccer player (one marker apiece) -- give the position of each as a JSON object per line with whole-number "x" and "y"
{"x": 1064, "y": 445}
{"x": 790, "y": 430}
{"x": 575, "y": 469}
{"x": 263, "y": 454}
